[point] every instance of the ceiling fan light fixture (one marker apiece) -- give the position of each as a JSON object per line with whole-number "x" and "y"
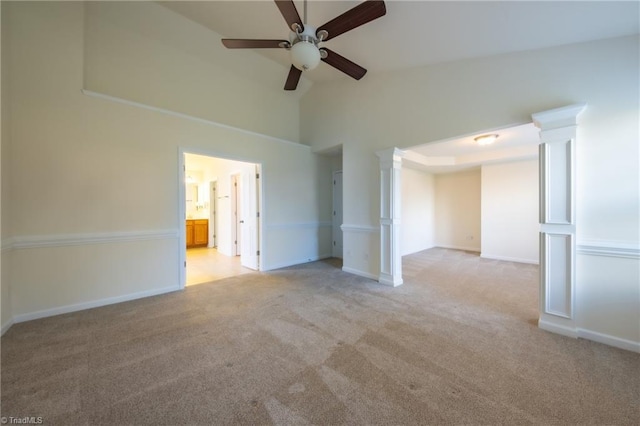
{"x": 305, "y": 40}
{"x": 305, "y": 55}
{"x": 486, "y": 139}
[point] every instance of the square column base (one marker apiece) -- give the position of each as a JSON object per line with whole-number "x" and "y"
{"x": 390, "y": 280}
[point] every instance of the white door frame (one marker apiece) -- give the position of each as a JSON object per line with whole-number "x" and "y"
{"x": 337, "y": 219}
{"x": 213, "y": 214}
{"x": 249, "y": 218}
{"x": 182, "y": 207}
{"x": 236, "y": 212}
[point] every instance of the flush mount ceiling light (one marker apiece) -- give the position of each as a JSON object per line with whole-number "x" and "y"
{"x": 486, "y": 139}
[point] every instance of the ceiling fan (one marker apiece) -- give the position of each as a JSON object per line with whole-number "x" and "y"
{"x": 304, "y": 39}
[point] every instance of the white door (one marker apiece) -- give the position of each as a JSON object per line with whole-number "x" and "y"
{"x": 213, "y": 214}
{"x": 249, "y": 257}
{"x": 236, "y": 217}
{"x": 337, "y": 214}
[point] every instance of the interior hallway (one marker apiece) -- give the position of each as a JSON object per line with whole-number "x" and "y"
{"x": 206, "y": 264}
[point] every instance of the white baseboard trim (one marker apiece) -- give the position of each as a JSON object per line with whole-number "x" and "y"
{"x": 6, "y": 327}
{"x": 359, "y": 273}
{"x": 582, "y": 333}
{"x": 606, "y": 339}
{"x": 296, "y": 262}
{"x": 389, "y": 281}
{"x": 92, "y": 304}
{"x": 473, "y": 249}
{"x": 417, "y": 251}
{"x": 510, "y": 259}
{"x": 558, "y": 329}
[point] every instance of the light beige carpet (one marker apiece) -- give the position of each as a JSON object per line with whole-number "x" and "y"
{"x": 456, "y": 344}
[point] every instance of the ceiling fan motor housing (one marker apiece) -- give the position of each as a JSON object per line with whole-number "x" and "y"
{"x": 305, "y": 54}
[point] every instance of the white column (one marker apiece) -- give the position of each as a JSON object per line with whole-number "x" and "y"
{"x": 557, "y": 218}
{"x": 390, "y": 211}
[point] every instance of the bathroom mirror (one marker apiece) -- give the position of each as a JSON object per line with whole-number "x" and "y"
{"x": 192, "y": 192}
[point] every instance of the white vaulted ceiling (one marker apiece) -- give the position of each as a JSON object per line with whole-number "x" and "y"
{"x": 415, "y": 33}
{"x": 418, "y": 33}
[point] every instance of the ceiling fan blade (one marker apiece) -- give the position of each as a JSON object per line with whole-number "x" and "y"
{"x": 292, "y": 78}
{"x": 365, "y": 12}
{"x": 343, "y": 64}
{"x": 244, "y": 43}
{"x": 289, "y": 13}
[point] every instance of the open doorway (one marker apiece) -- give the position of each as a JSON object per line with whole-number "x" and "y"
{"x": 337, "y": 202}
{"x": 476, "y": 198}
{"x": 219, "y": 211}
{"x": 337, "y": 215}
{"x": 236, "y": 214}
{"x": 557, "y": 219}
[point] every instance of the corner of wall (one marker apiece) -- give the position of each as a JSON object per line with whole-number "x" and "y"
{"x": 6, "y": 311}
{"x": 6, "y": 315}
{"x": 6, "y": 326}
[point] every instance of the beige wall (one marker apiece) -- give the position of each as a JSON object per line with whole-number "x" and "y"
{"x": 418, "y": 211}
{"x": 407, "y": 108}
{"x": 94, "y": 182}
{"x": 5, "y": 302}
{"x": 457, "y": 210}
{"x": 84, "y": 170}
{"x": 510, "y": 212}
{"x": 410, "y": 107}
{"x": 146, "y": 53}
{"x": 496, "y": 205}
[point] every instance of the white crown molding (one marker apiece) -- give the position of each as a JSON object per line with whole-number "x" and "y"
{"x": 189, "y": 117}
{"x": 38, "y": 241}
{"x": 559, "y": 117}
